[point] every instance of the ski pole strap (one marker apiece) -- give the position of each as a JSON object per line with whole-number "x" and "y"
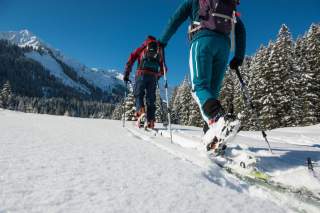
{"x": 196, "y": 26}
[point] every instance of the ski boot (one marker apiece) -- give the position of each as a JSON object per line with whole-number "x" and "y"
{"x": 150, "y": 124}
{"x": 141, "y": 118}
{"x": 220, "y": 133}
{"x": 222, "y": 127}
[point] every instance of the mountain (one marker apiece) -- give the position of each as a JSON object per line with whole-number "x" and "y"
{"x": 67, "y": 71}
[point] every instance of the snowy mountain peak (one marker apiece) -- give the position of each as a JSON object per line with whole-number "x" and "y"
{"x": 22, "y": 38}
{"x": 51, "y": 59}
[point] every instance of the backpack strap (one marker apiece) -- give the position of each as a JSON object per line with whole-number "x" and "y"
{"x": 196, "y": 25}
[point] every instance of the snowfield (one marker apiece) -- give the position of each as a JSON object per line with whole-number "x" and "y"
{"x": 63, "y": 164}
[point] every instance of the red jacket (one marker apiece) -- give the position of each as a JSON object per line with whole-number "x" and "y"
{"x": 136, "y": 55}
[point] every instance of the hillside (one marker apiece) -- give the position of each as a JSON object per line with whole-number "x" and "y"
{"x": 54, "y": 66}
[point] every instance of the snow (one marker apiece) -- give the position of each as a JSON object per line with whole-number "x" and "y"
{"x": 62, "y": 164}
{"x": 291, "y": 148}
{"x": 55, "y": 69}
{"x": 103, "y": 79}
{"x": 23, "y": 38}
{"x": 286, "y": 166}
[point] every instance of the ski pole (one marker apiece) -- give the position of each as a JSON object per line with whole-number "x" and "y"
{"x": 124, "y": 107}
{"x": 165, "y": 124}
{"x": 167, "y": 96}
{"x": 248, "y": 100}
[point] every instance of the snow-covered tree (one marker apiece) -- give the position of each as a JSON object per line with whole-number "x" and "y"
{"x": 184, "y": 109}
{"x": 313, "y": 58}
{"x": 117, "y": 114}
{"x": 173, "y": 112}
{"x": 280, "y": 80}
{"x": 302, "y": 67}
{"x": 181, "y": 105}
{"x": 5, "y": 95}
{"x": 251, "y": 71}
{"x": 161, "y": 108}
{"x": 130, "y": 107}
{"x": 228, "y": 90}
{"x": 195, "y": 118}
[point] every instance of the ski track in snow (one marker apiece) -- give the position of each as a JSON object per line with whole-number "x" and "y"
{"x": 189, "y": 137}
{"x": 61, "y": 164}
{"x": 288, "y": 163}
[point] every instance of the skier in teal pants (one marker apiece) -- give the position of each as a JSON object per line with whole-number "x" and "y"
{"x": 215, "y": 28}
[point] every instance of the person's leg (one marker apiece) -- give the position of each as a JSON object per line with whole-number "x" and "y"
{"x": 201, "y": 56}
{"x": 139, "y": 93}
{"x": 219, "y": 67}
{"x": 213, "y": 107}
{"x": 151, "y": 87}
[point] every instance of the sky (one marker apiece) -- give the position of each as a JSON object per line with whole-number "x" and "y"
{"x": 103, "y": 33}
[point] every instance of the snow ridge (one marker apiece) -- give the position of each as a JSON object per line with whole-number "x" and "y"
{"x": 103, "y": 79}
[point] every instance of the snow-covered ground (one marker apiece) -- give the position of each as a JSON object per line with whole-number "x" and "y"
{"x": 62, "y": 164}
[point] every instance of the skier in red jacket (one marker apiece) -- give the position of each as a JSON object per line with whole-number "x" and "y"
{"x": 150, "y": 68}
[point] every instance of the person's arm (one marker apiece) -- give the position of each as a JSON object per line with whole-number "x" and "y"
{"x": 181, "y": 14}
{"x": 133, "y": 57}
{"x": 240, "y": 32}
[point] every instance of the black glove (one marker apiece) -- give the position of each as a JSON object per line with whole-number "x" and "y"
{"x": 126, "y": 79}
{"x": 162, "y": 45}
{"x": 235, "y": 63}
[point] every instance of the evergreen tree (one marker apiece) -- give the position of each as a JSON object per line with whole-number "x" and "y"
{"x": 161, "y": 109}
{"x": 185, "y": 110}
{"x": 181, "y": 106}
{"x": 173, "y": 112}
{"x": 302, "y": 69}
{"x": 228, "y": 91}
{"x": 262, "y": 87}
{"x": 6, "y": 95}
{"x": 312, "y": 57}
{"x": 130, "y": 107}
{"x": 117, "y": 114}
{"x": 195, "y": 118}
{"x": 238, "y": 105}
{"x": 280, "y": 82}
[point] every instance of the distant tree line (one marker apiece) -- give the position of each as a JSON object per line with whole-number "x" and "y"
{"x": 54, "y": 106}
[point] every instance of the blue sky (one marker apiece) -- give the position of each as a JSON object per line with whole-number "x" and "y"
{"x": 102, "y": 33}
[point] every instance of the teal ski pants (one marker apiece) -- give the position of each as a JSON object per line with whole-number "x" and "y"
{"x": 208, "y": 62}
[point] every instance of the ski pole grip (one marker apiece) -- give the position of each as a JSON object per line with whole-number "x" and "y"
{"x": 264, "y": 134}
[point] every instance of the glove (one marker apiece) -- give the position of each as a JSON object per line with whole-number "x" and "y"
{"x": 126, "y": 78}
{"x": 235, "y": 63}
{"x": 162, "y": 45}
